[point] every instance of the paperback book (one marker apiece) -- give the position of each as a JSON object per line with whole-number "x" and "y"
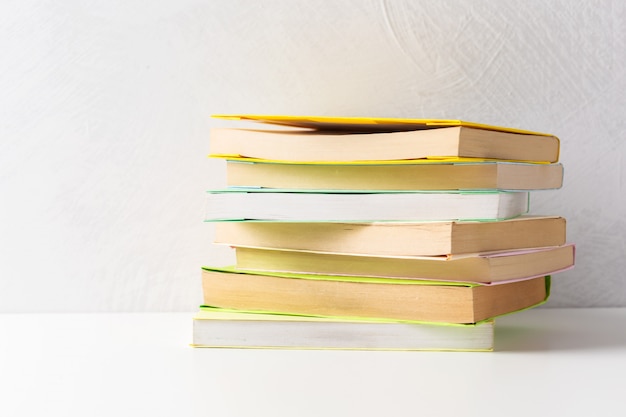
{"x": 222, "y": 328}
{"x": 236, "y": 204}
{"x": 368, "y": 297}
{"x": 332, "y": 139}
{"x": 397, "y": 238}
{"x": 483, "y": 268}
{"x": 396, "y": 175}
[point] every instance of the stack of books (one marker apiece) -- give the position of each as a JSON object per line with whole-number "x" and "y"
{"x": 365, "y": 233}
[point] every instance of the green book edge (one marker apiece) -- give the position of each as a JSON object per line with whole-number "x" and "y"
{"x": 341, "y": 278}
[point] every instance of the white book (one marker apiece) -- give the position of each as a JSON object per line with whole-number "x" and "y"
{"x": 218, "y": 328}
{"x": 331, "y": 205}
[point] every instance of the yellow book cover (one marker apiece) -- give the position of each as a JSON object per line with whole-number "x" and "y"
{"x": 367, "y": 123}
{"x": 309, "y": 139}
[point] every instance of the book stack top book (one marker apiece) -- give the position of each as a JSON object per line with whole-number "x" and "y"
{"x": 352, "y": 139}
{"x": 378, "y": 220}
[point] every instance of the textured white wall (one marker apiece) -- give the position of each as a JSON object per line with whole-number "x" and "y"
{"x": 104, "y": 123}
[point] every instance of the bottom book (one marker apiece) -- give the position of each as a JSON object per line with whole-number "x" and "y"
{"x": 220, "y": 328}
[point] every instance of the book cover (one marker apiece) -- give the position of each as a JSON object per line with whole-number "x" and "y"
{"x": 367, "y": 124}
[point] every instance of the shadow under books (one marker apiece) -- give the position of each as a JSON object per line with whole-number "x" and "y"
{"x": 595, "y": 330}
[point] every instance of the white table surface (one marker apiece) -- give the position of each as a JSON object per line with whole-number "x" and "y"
{"x": 553, "y": 362}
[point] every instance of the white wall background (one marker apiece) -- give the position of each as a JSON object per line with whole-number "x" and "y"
{"x": 104, "y": 120}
